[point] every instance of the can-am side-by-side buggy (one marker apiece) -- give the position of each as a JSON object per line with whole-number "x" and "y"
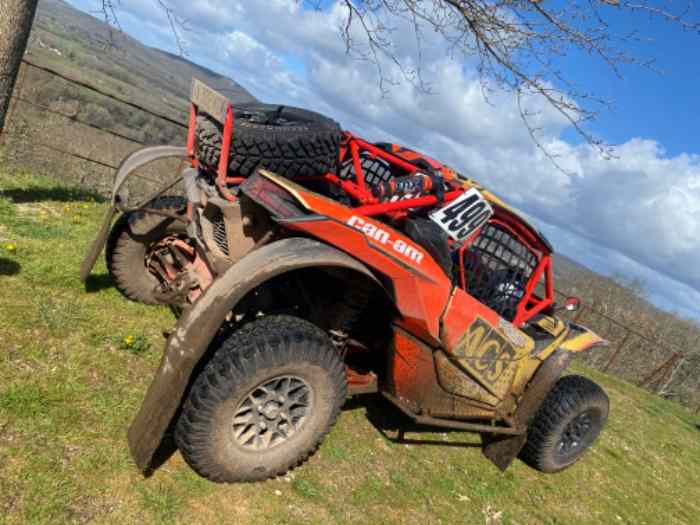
{"x": 306, "y": 265}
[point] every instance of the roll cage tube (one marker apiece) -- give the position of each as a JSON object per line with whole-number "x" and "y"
{"x": 278, "y": 196}
{"x": 531, "y": 303}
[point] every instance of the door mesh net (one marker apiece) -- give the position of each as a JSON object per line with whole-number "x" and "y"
{"x": 497, "y": 268}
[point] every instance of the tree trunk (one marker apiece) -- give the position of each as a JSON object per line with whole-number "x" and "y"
{"x": 16, "y": 17}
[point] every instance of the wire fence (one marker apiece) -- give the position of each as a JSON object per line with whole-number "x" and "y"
{"x": 650, "y": 363}
{"x": 44, "y": 116}
{"x": 80, "y": 132}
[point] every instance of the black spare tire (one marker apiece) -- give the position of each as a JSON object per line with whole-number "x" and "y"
{"x": 289, "y": 141}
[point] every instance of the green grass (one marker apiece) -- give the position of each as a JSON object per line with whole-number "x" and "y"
{"x": 70, "y": 384}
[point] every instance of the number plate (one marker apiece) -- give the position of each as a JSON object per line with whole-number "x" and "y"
{"x": 464, "y": 215}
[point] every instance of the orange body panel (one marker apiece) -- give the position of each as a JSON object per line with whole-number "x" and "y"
{"x": 487, "y": 347}
{"x": 421, "y": 287}
{"x": 402, "y": 369}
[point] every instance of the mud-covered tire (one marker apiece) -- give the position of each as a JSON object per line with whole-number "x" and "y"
{"x": 214, "y": 429}
{"x": 294, "y": 143}
{"x": 128, "y": 243}
{"x": 566, "y": 425}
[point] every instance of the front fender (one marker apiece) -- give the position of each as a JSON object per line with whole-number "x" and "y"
{"x": 198, "y": 326}
{"x": 503, "y": 450}
{"x": 580, "y": 339}
{"x": 129, "y": 165}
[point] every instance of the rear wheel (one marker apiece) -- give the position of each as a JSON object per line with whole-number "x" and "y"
{"x": 264, "y": 402}
{"x": 566, "y": 425}
{"x": 137, "y": 241}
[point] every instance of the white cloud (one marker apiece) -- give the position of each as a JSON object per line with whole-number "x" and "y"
{"x": 667, "y": 293}
{"x": 250, "y": 54}
{"x": 640, "y": 212}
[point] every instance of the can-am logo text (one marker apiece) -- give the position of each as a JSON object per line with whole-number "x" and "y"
{"x": 384, "y": 237}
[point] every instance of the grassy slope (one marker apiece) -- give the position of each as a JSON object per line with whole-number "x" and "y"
{"x": 69, "y": 386}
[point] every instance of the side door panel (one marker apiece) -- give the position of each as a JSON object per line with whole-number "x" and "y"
{"x": 488, "y": 349}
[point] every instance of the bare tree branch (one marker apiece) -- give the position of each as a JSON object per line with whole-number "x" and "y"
{"x": 177, "y": 26}
{"x": 108, "y": 12}
{"x": 519, "y": 46}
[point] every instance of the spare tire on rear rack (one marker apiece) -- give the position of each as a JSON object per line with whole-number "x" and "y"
{"x": 289, "y": 141}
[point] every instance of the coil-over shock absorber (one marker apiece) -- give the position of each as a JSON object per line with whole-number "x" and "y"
{"x": 348, "y": 312}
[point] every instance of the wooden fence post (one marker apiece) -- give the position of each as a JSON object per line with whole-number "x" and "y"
{"x": 617, "y": 351}
{"x": 660, "y": 372}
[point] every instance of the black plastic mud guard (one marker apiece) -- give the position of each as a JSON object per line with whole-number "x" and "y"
{"x": 129, "y": 165}
{"x": 501, "y": 451}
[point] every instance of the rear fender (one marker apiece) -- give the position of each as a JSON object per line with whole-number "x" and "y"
{"x": 129, "y": 165}
{"x": 198, "y": 326}
{"x": 139, "y": 159}
{"x": 421, "y": 288}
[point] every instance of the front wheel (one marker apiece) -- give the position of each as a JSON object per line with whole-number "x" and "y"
{"x": 566, "y": 425}
{"x": 264, "y": 403}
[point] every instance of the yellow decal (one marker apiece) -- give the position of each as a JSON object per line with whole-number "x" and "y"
{"x": 488, "y": 353}
{"x": 288, "y": 185}
{"x": 583, "y": 341}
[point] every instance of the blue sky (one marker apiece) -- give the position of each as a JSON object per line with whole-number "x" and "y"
{"x": 662, "y": 105}
{"x": 637, "y": 215}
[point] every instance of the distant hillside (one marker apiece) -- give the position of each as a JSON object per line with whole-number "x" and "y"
{"x": 83, "y": 46}
{"x": 567, "y": 269}
{"x": 64, "y": 129}
{"x": 55, "y": 124}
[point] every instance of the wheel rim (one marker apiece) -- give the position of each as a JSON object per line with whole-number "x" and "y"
{"x": 168, "y": 257}
{"x": 577, "y": 435}
{"x": 272, "y": 412}
{"x": 266, "y": 118}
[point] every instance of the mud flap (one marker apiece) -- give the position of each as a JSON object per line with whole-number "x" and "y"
{"x": 128, "y": 166}
{"x": 97, "y": 245}
{"x": 501, "y": 451}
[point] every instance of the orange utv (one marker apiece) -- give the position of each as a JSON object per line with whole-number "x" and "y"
{"x": 366, "y": 268}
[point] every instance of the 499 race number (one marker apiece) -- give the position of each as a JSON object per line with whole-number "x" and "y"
{"x": 464, "y": 215}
